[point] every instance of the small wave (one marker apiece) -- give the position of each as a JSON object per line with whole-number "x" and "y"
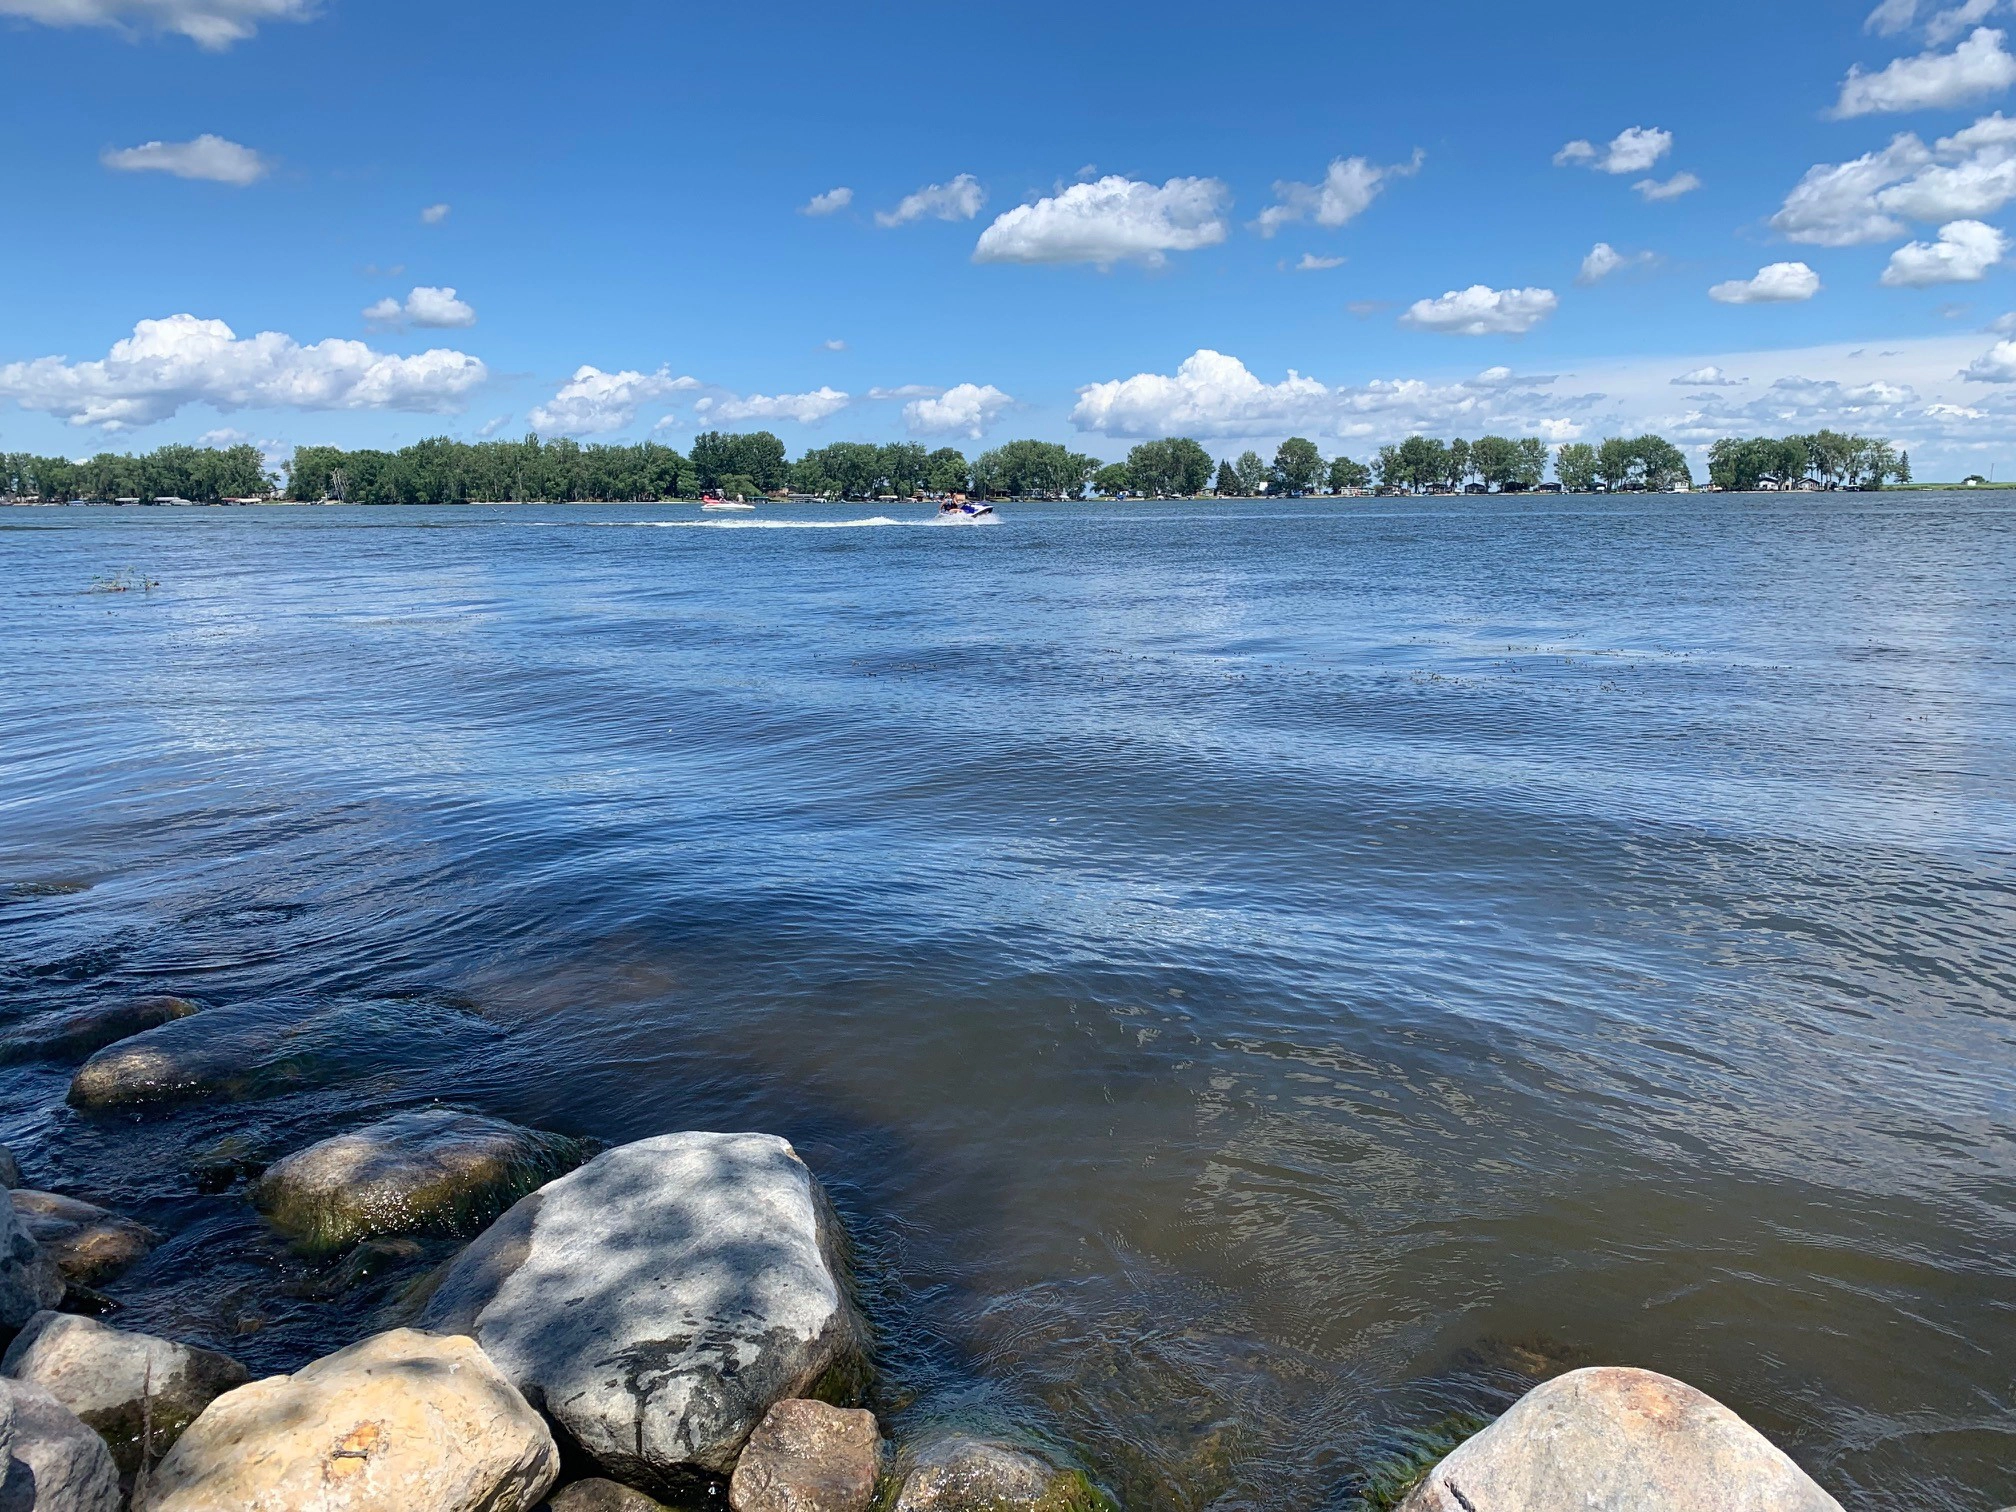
{"x": 772, "y": 524}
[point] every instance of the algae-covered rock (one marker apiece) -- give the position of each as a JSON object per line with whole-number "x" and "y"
{"x": 432, "y": 1170}
{"x": 134, "y": 1391}
{"x": 74, "y": 1034}
{"x": 657, "y": 1302}
{"x": 808, "y": 1456}
{"x": 961, "y": 1474}
{"x": 1610, "y": 1439}
{"x": 259, "y": 1050}
{"x": 404, "y": 1420}
{"x": 49, "y": 1461}
{"x": 88, "y": 1243}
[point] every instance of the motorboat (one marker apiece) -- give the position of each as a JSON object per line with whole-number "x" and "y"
{"x": 715, "y": 501}
{"x": 964, "y": 512}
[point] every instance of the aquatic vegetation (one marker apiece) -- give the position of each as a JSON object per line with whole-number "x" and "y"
{"x": 125, "y": 580}
{"x": 1418, "y": 1451}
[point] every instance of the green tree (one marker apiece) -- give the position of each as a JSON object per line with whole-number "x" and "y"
{"x": 1112, "y": 480}
{"x": 945, "y": 471}
{"x": 1658, "y": 465}
{"x": 1227, "y": 486}
{"x": 903, "y": 465}
{"x": 1456, "y": 466}
{"x": 1298, "y": 467}
{"x": 1575, "y": 466}
{"x": 1250, "y": 471}
{"x": 1616, "y": 463}
{"x": 1904, "y": 468}
{"x": 1495, "y": 460}
{"x": 1033, "y": 469}
{"x": 1347, "y": 474}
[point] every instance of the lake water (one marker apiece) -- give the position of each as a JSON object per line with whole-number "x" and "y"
{"x": 1255, "y": 978}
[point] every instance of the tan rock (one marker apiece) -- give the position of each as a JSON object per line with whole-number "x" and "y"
{"x": 88, "y": 1243}
{"x": 404, "y": 1420}
{"x": 1612, "y": 1439}
{"x": 806, "y": 1456}
{"x": 600, "y": 1496}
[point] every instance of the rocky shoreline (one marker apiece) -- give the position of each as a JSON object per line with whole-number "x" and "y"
{"x": 666, "y": 1323}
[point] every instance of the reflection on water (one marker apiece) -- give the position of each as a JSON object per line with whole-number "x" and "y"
{"x": 1256, "y": 980}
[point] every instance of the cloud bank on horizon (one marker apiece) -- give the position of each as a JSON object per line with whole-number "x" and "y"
{"x": 1873, "y": 186}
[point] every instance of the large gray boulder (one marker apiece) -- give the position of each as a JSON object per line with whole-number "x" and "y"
{"x": 134, "y": 1391}
{"x": 29, "y": 1279}
{"x": 430, "y": 1170}
{"x": 1612, "y": 1439}
{"x": 51, "y": 1461}
{"x": 403, "y": 1421}
{"x": 256, "y": 1050}
{"x": 657, "y": 1302}
{"x": 74, "y": 1034}
{"x": 963, "y": 1474}
{"x": 89, "y": 1243}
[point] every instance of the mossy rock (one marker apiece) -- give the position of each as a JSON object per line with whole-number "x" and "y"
{"x": 963, "y": 1474}
{"x": 428, "y": 1171}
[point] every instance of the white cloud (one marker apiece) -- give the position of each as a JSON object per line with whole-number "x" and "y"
{"x": 1931, "y": 80}
{"x": 1965, "y": 176}
{"x": 1947, "y": 24}
{"x": 1311, "y": 263}
{"x": 224, "y": 435}
{"x": 1655, "y": 190}
{"x": 1710, "y": 376}
{"x": 830, "y": 203}
{"x": 1604, "y": 259}
{"x": 1110, "y": 220}
{"x": 1632, "y": 150}
{"x": 426, "y": 307}
{"x": 965, "y": 409}
{"x": 1778, "y": 283}
{"x": 1996, "y": 365}
{"x": 1891, "y": 17}
{"x": 1964, "y": 253}
{"x": 959, "y": 200}
{"x": 493, "y": 425}
{"x": 594, "y": 403}
{"x": 208, "y": 157}
{"x": 804, "y": 409}
{"x": 214, "y": 24}
{"x": 835, "y": 345}
{"x": 433, "y": 215}
{"x": 1350, "y": 185}
{"x": 166, "y": 364}
{"x": 1482, "y": 311}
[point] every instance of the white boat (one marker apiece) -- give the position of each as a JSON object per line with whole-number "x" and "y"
{"x": 715, "y": 501}
{"x": 960, "y": 512}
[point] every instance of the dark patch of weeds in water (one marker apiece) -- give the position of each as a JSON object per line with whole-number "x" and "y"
{"x": 1418, "y": 1451}
{"x": 125, "y": 580}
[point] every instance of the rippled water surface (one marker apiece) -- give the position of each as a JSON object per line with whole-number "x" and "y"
{"x": 1255, "y": 979}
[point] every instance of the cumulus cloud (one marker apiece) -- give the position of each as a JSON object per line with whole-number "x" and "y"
{"x": 1891, "y": 17}
{"x": 965, "y": 409}
{"x": 1708, "y": 377}
{"x": 167, "y": 364}
{"x": 1350, "y": 185}
{"x": 1655, "y": 190}
{"x": 433, "y": 215}
{"x": 1110, "y": 220}
{"x": 1604, "y": 259}
{"x": 211, "y": 158}
{"x": 426, "y": 307}
{"x": 959, "y": 200}
{"x": 1632, "y": 150}
{"x": 1482, "y": 311}
{"x": 1311, "y": 263}
{"x": 1996, "y": 365}
{"x": 830, "y": 203}
{"x": 594, "y": 403}
{"x": 1931, "y": 80}
{"x": 1778, "y": 283}
{"x": 1965, "y": 176}
{"x": 803, "y": 409}
{"x": 212, "y": 24}
{"x": 1964, "y": 252}
{"x": 1945, "y": 25}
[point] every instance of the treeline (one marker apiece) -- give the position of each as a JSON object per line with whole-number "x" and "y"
{"x": 442, "y": 471}
{"x": 202, "y": 473}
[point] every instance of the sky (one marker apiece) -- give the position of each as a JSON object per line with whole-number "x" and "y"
{"x": 365, "y": 223}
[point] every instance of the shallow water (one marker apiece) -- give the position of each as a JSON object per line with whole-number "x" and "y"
{"x": 1255, "y": 978}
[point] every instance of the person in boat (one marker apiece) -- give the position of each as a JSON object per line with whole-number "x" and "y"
{"x": 949, "y": 507}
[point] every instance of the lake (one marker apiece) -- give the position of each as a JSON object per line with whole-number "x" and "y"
{"x": 1256, "y": 979}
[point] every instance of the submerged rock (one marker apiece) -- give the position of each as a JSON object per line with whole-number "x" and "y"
{"x": 76, "y": 1033}
{"x": 88, "y": 1243}
{"x": 51, "y": 1461}
{"x": 1611, "y": 1439}
{"x": 807, "y": 1456}
{"x": 600, "y": 1496}
{"x": 661, "y": 1299}
{"x": 10, "y": 1169}
{"x": 961, "y": 1474}
{"x": 29, "y": 1279}
{"x": 431, "y": 1170}
{"x": 403, "y": 1420}
{"x": 134, "y": 1391}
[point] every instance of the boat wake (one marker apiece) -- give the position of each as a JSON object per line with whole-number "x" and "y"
{"x": 774, "y": 524}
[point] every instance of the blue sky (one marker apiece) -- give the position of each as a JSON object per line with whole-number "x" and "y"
{"x": 1092, "y": 224}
